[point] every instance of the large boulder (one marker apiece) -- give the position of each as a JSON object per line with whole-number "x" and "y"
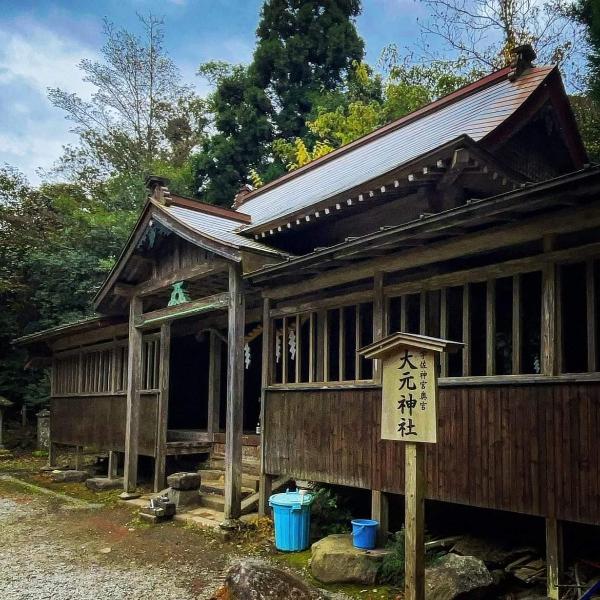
{"x": 253, "y": 579}
{"x": 184, "y": 481}
{"x": 456, "y": 576}
{"x": 99, "y": 484}
{"x": 69, "y": 476}
{"x": 335, "y": 560}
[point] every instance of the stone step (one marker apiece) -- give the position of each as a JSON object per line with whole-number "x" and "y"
{"x": 218, "y": 488}
{"x": 249, "y": 466}
{"x": 210, "y": 475}
{"x": 213, "y": 501}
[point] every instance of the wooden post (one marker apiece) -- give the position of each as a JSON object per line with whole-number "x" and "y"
{"x": 235, "y": 395}
{"x": 517, "y": 325}
{"x": 554, "y": 557}
{"x": 490, "y": 334}
{"x": 132, "y": 426}
{"x": 549, "y": 321}
{"x": 590, "y": 287}
{"x": 380, "y": 512}
{"x": 113, "y": 464}
{"x": 414, "y": 521}
{"x": 214, "y": 383}
{"x": 78, "y": 458}
{"x": 378, "y": 318}
{"x": 52, "y": 453}
{"x": 265, "y": 479}
{"x": 160, "y": 452}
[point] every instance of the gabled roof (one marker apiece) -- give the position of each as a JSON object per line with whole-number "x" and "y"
{"x": 477, "y": 110}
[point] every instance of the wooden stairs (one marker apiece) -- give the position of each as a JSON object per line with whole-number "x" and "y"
{"x": 212, "y": 487}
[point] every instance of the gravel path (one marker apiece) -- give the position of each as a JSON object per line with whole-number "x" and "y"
{"x": 50, "y": 553}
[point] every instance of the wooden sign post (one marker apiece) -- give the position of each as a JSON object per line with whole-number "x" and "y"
{"x": 409, "y": 415}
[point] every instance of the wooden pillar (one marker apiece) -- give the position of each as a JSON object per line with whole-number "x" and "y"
{"x": 380, "y": 512}
{"x": 214, "y": 383}
{"x": 554, "y": 557}
{"x": 266, "y": 480}
{"x": 414, "y": 521}
{"x": 549, "y": 321}
{"x": 160, "y": 453}
{"x": 378, "y": 318}
{"x": 113, "y": 464}
{"x": 235, "y": 395}
{"x": 52, "y": 453}
{"x": 134, "y": 368}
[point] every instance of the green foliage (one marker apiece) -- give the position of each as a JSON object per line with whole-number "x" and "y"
{"x": 303, "y": 53}
{"x": 393, "y": 564}
{"x": 328, "y": 513}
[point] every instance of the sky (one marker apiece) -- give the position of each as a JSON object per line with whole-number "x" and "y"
{"x": 44, "y": 40}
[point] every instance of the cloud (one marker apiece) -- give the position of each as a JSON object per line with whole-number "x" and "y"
{"x": 32, "y": 59}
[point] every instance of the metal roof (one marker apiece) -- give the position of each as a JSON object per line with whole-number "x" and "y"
{"x": 473, "y": 113}
{"x": 217, "y": 227}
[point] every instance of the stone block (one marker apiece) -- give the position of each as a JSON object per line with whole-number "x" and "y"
{"x": 184, "y": 481}
{"x": 336, "y": 560}
{"x": 69, "y": 476}
{"x": 456, "y": 576}
{"x": 99, "y": 484}
{"x": 184, "y": 497}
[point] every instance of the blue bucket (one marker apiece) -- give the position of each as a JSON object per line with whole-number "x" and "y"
{"x": 291, "y": 513}
{"x": 364, "y": 533}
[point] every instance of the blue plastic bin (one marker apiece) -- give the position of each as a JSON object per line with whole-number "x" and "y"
{"x": 291, "y": 513}
{"x": 364, "y": 533}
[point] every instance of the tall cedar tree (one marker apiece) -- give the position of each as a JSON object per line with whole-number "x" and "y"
{"x": 304, "y": 50}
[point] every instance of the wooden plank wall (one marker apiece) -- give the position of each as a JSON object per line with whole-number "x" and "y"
{"x": 99, "y": 421}
{"x": 531, "y": 449}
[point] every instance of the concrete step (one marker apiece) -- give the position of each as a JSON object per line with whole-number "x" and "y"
{"x": 212, "y": 501}
{"x": 218, "y": 488}
{"x": 211, "y": 475}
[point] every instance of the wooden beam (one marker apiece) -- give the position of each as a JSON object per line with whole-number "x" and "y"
{"x": 125, "y": 290}
{"x": 160, "y": 454}
{"x": 554, "y": 557}
{"x": 267, "y": 361}
{"x": 549, "y": 320}
{"x": 152, "y": 286}
{"x": 380, "y": 513}
{"x": 500, "y": 237}
{"x": 214, "y": 382}
{"x": 187, "y": 309}
{"x": 414, "y": 521}
{"x": 134, "y": 369}
{"x": 235, "y": 395}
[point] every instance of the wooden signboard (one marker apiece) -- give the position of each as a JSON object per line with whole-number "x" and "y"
{"x": 409, "y": 415}
{"x": 409, "y": 392}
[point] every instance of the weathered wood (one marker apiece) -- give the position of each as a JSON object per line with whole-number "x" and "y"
{"x": 466, "y": 327}
{"x": 163, "y": 407}
{"x": 214, "y": 382}
{"x": 550, "y": 359}
{"x": 235, "y": 395}
{"x": 188, "y": 309}
{"x": 414, "y": 522}
{"x": 293, "y": 307}
{"x": 499, "y": 237}
{"x": 538, "y": 440}
{"x": 381, "y": 513}
{"x": 517, "y": 325}
{"x": 378, "y": 318}
{"x": 490, "y": 334}
{"x": 591, "y": 316}
{"x": 134, "y": 369}
{"x": 444, "y": 330}
{"x": 554, "y": 557}
{"x": 267, "y": 345}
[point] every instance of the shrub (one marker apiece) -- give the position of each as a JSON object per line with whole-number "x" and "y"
{"x": 328, "y": 513}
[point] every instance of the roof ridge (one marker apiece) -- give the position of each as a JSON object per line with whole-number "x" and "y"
{"x": 458, "y": 94}
{"x": 205, "y": 207}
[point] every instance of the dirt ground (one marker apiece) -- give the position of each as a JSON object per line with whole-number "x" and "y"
{"x": 95, "y": 547}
